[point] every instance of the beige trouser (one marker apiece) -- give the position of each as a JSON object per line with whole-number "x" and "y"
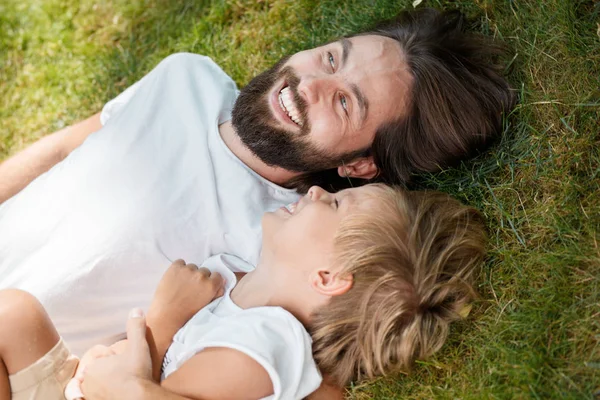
{"x": 47, "y": 377}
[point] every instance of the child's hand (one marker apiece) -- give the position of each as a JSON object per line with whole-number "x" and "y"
{"x": 183, "y": 290}
{"x": 73, "y": 388}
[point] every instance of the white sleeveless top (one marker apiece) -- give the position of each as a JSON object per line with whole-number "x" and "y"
{"x": 270, "y": 335}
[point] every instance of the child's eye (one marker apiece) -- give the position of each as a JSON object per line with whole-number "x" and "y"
{"x": 331, "y": 60}
{"x": 337, "y": 204}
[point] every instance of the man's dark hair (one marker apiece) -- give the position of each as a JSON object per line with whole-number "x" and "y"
{"x": 456, "y": 103}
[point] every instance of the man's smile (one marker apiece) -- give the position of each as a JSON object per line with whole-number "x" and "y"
{"x": 285, "y": 108}
{"x": 286, "y": 102}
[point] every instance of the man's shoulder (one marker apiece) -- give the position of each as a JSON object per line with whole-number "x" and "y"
{"x": 186, "y": 58}
{"x": 194, "y": 62}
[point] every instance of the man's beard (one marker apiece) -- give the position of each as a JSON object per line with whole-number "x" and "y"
{"x": 258, "y": 129}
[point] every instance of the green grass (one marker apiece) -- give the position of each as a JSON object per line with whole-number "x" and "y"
{"x": 535, "y": 333}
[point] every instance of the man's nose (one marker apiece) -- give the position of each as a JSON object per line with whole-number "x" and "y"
{"x": 314, "y": 87}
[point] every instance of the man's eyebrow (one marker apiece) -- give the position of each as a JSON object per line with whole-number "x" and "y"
{"x": 346, "y": 47}
{"x": 363, "y": 103}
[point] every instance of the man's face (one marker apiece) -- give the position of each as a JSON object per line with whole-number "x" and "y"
{"x": 322, "y": 107}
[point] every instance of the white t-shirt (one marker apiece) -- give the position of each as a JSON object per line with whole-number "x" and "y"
{"x": 270, "y": 335}
{"x": 92, "y": 237}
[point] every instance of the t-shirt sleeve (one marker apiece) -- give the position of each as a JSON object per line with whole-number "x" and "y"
{"x": 273, "y": 338}
{"x": 115, "y": 105}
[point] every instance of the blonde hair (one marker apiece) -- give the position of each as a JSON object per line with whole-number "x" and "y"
{"x": 413, "y": 258}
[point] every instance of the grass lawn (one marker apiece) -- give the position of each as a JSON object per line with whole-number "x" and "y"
{"x": 535, "y": 333}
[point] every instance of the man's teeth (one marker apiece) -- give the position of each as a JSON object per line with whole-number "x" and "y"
{"x": 286, "y": 101}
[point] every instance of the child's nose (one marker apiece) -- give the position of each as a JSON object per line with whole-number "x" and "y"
{"x": 316, "y": 193}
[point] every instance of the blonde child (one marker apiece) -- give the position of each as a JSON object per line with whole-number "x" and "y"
{"x": 356, "y": 284}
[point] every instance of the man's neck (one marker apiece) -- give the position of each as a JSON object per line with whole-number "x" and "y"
{"x": 276, "y": 175}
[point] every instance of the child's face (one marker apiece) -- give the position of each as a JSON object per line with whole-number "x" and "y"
{"x": 303, "y": 233}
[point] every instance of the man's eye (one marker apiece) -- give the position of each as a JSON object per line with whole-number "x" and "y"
{"x": 331, "y": 60}
{"x": 343, "y": 102}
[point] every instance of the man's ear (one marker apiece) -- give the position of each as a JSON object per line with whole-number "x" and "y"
{"x": 330, "y": 283}
{"x": 363, "y": 168}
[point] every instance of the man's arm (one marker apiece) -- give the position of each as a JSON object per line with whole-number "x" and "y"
{"x": 127, "y": 375}
{"x": 22, "y": 168}
{"x": 198, "y": 378}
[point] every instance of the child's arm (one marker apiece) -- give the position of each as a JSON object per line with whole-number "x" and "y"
{"x": 183, "y": 290}
{"x": 220, "y": 373}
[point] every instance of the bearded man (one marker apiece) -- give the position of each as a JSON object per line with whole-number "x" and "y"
{"x": 182, "y": 165}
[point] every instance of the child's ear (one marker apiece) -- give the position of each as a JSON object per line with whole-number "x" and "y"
{"x": 331, "y": 283}
{"x": 363, "y": 168}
